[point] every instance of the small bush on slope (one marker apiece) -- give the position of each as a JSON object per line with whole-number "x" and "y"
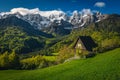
{"x": 64, "y": 54}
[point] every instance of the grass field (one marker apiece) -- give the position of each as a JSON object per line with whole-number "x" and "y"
{"x": 101, "y": 67}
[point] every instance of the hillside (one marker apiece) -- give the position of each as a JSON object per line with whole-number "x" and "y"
{"x": 19, "y": 35}
{"x": 100, "y": 32}
{"x": 101, "y": 67}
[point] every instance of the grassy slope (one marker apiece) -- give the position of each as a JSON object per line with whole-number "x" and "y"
{"x": 102, "y": 67}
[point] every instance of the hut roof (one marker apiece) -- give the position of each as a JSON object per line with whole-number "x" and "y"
{"x": 87, "y": 41}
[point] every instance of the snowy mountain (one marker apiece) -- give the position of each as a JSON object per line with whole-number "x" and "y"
{"x": 85, "y": 17}
{"x": 43, "y": 19}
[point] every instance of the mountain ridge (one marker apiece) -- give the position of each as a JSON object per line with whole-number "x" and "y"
{"x": 42, "y": 19}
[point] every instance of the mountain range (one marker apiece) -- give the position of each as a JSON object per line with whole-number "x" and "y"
{"x": 54, "y": 21}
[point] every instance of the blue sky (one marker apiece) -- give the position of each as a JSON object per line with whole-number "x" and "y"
{"x": 104, "y": 6}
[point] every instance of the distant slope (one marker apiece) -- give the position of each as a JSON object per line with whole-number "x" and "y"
{"x": 110, "y": 24}
{"x": 102, "y": 67}
{"x": 25, "y": 26}
{"x": 19, "y": 35}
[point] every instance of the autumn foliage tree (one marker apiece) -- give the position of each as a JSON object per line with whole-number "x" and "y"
{"x": 64, "y": 54}
{"x": 14, "y": 62}
{"x": 9, "y": 61}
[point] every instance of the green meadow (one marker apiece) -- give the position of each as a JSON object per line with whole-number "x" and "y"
{"x": 104, "y": 66}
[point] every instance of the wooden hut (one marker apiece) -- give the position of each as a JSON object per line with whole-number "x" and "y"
{"x": 84, "y": 44}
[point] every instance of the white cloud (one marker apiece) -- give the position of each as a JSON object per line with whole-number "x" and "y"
{"x": 100, "y": 4}
{"x": 52, "y": 13}
{"x": 48, "y": 13}
{"x": 86, "y": 11}
{"x": 24, "y": 11}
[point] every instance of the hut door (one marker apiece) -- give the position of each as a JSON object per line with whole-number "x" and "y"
{"x": 78, "y": 49}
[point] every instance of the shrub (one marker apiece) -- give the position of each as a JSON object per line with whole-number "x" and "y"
{"x": 109, "y": 44}
{"x": 64, "y": 54}
{"x": 9, "y": 61}
{"x": 4, "y": 61}
{"x": 14, "y": 61}
{"x": 34, "y": 62}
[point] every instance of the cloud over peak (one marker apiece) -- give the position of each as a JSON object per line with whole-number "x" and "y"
{"x": 100, "y": 4}
{"x": 48, "y": 14}
{"x": 25, "y": 11}
{"x": 86, "y": 11}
